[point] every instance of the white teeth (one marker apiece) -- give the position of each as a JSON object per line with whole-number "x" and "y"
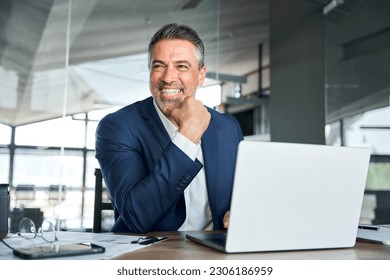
{"x": 171, "y": 91}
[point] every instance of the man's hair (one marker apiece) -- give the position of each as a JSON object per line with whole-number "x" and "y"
{"x": 178, "y": 31}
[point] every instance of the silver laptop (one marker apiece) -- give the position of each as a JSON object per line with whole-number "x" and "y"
{"x": 293, "y": 197}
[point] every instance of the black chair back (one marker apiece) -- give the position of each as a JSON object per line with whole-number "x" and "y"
{"x": 100, "y": 205}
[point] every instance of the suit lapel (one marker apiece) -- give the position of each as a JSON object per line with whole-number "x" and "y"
{"x": 209, "y": 146}
{"x": 148, "y": 112}
{"x": 211, "y": 158}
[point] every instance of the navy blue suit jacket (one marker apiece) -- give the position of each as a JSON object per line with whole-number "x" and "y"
{"x": 146, "y": 173}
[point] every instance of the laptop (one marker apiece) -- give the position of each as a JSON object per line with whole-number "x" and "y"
{"x": 289, "y": 196}
{"x": 374, "y": 233}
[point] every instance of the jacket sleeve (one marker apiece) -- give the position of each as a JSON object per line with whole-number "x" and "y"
{"x": 145, "y": 180}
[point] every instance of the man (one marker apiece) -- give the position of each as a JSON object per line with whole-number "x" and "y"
{"x": 168, "y": 161}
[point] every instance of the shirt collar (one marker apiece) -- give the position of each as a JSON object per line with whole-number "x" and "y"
{"x": 168, "y": 125}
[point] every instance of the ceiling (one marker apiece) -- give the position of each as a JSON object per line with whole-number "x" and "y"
{"x": 107, "y": 50}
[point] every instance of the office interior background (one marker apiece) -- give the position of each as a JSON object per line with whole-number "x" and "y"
{"x": 304, "y": 71}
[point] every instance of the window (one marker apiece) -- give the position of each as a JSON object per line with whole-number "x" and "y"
{"x": 66, "y": 129}
{"x": 5, "y": 132}
{"x": 4, "y": 163}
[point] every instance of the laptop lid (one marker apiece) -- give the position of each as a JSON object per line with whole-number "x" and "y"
{"x": 296, "y": 196}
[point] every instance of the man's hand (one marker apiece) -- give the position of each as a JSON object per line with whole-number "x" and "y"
{"x": 192, "y": 118}
{"x": 226, "y": 219}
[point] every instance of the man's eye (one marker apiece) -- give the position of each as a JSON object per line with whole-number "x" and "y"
{"x": 182, "y": 67}
{"x": 157, "y": 67}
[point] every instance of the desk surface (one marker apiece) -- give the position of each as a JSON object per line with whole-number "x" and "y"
{"x": 177, "y": 247}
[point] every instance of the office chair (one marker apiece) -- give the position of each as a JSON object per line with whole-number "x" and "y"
{"x": 99, "y": 204}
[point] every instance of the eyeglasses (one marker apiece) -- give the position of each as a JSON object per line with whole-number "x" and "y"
{"x": 28, "y": 230}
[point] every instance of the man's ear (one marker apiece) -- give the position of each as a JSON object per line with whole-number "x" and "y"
{"x": 202, "y": 75}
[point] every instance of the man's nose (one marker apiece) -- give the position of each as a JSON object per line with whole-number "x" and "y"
{"x": 170, "y": 75}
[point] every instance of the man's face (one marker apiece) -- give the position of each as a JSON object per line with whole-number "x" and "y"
{"x": 174, "y": 73}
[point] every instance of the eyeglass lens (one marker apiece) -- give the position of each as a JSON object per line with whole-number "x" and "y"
{"x": 27, "y": 229}
{"x": 48, "y": 231}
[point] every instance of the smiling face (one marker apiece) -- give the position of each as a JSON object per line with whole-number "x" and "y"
{"x": 174, "y": 73}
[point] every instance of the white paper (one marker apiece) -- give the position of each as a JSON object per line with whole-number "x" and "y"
{"x": 114, "y": 244}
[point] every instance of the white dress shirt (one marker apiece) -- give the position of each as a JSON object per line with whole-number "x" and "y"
{"x": 198, "y": 213}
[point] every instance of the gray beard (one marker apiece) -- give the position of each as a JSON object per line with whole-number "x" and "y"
{"x": 164, "y": 103}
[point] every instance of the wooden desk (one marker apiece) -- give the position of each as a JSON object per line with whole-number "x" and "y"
{"x": 177, "y": 247}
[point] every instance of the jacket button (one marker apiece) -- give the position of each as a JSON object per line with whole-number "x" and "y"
{"x": 187, "y": 176}
{"x": 183, "y": 181}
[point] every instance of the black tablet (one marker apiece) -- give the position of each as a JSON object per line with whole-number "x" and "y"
{"x": 58, "y": 250}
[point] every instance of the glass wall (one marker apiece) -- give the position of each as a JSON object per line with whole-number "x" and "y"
{"x": 5, "y": 139}
{"x": 358, "y": 92}
{"x": 83, "y": 60}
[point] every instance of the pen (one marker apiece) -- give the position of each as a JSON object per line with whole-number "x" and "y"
{"x": 147, "y": 240}
{"x": 151, "y": 240}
